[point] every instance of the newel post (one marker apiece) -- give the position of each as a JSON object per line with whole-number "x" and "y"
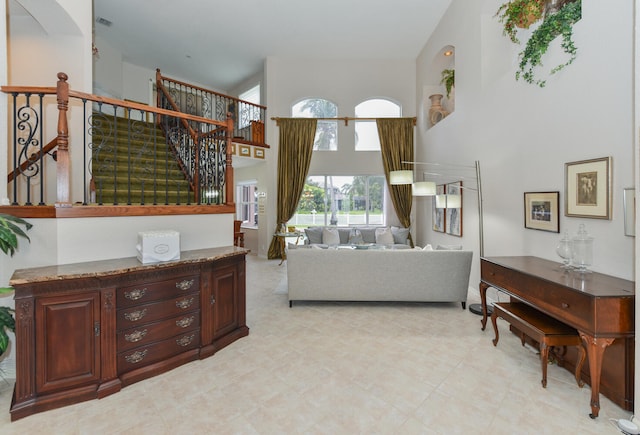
{"x": 229, "y": 167}
{"x": 63, "y": 168}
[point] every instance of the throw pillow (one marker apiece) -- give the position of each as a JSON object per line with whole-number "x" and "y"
{"x": 330, "y": 236}
{"x": 355, "y": 237}
{"x": 400, "y": 235}
{"x": 428, "y": 247}
{"x": 449, "y": 247}
{"x": 368, "y": 235}
{"x": 384, "y": 236}
{"x": 314, "y": 235}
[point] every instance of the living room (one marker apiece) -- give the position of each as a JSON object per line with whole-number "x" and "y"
{"x": 522, "y": 134}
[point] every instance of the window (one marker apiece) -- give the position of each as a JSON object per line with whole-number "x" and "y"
{"x": 341, "y": 200}
{"x": 327, "y": 131}
{"x": 367, "y": 131}
{"x": 247, "y": 203}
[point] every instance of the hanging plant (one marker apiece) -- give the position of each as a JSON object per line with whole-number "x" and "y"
{"x": 448, "y": 80}
{"x": 554, "y": 25}
{"x": 519, "y": 14}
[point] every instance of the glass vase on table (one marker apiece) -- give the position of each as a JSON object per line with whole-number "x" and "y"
{"x": 565, "y": 250}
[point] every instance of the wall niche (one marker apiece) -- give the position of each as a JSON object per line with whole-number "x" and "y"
{"x": 439, "y": 95}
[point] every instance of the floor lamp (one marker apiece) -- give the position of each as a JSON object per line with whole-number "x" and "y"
{"x": 428, "y": 188}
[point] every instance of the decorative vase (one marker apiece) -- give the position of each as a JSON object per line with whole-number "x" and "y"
{"x": 582, "y": 250}
{"x": 436, "y": 112}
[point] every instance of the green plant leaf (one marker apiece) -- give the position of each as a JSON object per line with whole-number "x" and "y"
{"x": 10, "y": 231}
{"x": 4, "y": 341}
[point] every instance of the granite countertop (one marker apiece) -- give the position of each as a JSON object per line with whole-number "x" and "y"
{"x": 94, "y": 269}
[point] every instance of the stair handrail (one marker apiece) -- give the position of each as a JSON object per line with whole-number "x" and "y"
{"x": 63, "y": 94}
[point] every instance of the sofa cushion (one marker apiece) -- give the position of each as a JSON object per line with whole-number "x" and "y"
{"x": 314, "y": 235}
{"x": 400, "y": 235}
{"x": 355, "y": 237}
{"x": 344, "y": 234}
{"x": 448, "y": 247}
{"x": 384, "y": 236}
{"x": 368, "y": 235}
{"x": 330, "y": 236}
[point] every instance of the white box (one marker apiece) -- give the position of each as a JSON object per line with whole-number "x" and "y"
{"x": 156, "y": 246}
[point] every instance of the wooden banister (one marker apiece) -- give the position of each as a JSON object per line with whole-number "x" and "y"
{"x": 62, "y": 167}
{"x": 32, "y": 159}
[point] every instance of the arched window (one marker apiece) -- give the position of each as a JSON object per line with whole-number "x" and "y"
{"x": 367, "y": 131}
{"x": 327, "y": 131}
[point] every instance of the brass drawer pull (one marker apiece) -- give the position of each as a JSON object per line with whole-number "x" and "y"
{"x": 564, "y": 305}
{"x": 185, "y": 284}
{"x": 135, "y": 336}
{"x": 136, "y": 356}
{"x": 136, "y": 294}
{"x": 185, "y": 322}
{"x": 184, "y": 303}
{"x": 186, "y": 340}
{"x": 134, "y": 316}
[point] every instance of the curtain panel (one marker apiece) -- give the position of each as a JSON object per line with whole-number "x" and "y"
{"x": 295, "y": 149}
{"x": 396, "y": 146}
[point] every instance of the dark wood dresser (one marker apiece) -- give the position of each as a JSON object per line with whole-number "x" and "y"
{"x": 599, "y": 306}
{"x": 85, "y": 330}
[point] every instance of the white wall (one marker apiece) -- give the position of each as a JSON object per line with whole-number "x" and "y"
{"x": 344, "y": 82}
{"x": 523, "y": 135}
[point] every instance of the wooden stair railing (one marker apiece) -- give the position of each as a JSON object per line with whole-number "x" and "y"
{"x": 64, "y": 94}
{"x": 32, "y": 159}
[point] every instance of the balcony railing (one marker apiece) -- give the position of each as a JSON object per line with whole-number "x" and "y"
{"x": 249, "y": 118}
{"x": 130, "y": 153}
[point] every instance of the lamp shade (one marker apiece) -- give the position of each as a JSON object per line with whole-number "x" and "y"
{"x": 401, "y": 177}
{"x": 424, "y": 188}
{"x": 441, "y": 201}
{"x": 454, "y": 201}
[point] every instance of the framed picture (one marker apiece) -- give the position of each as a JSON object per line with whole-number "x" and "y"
{"x": 438, "y": 214}
{"x": 245, "y": 151}
{"x": 541, "y": 211}
{"x": 629, "y": 204}
{"x": 454, "y": 209}
{"x": 258, "y": 153}
{"x": 588, "y": 188}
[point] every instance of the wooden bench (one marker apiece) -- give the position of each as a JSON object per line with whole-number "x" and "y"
{"x": 544, "y": 329}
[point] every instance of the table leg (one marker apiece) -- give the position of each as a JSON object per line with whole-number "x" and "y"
{"x": 283, "y": 254}
{"x": 595, "y": 350}
{"x": 483, "y": 299}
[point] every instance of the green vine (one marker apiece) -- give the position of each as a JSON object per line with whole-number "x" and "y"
{"x": 448, "y": 80}
{"x": 554, "y": 25}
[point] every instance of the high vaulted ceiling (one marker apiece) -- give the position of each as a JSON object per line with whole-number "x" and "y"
{"x": 221, "y": 43}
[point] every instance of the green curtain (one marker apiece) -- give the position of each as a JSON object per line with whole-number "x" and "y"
{"x": 396, "y": 146}
{"x": 294, "y": 157}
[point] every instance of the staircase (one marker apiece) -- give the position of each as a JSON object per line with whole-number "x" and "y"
{"x": 132, "y": 164}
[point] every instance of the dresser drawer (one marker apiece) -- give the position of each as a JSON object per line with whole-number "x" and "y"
{"x": 151, "y": 312}
{"x": 156, "y": 331}
{"x": 145, "y": 355}
{"x": 154, "y": 291}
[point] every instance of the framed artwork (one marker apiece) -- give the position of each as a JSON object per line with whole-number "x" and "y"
{"x": 245, "y": 151}
{"x": 438, "y": 214}
{"x": 454, "y": 211}
{"x": 588, "y": 188}
{"x": 541, "y": 211}
{"x": 258, "y": 153}
{"x": 629, "y": 204}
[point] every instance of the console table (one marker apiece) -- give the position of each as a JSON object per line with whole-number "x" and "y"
{"x": 85, "y": 330}
{"x": 599, "y": 306}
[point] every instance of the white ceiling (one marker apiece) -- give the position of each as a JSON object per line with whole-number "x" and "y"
{"x": 221, "y": 43}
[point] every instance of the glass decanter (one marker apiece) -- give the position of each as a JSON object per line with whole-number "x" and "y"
{"x": 565, "y": 250}
{"x": 582, "y": 250}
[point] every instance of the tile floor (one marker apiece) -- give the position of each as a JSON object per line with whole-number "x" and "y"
{"x": 341, "y": 368}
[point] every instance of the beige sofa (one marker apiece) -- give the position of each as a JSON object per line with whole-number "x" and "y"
{"x": 408, "y": 275}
